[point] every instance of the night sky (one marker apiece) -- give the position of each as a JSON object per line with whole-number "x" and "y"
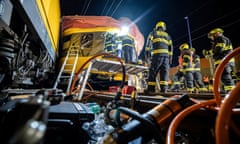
{"x": 203, "y": 16}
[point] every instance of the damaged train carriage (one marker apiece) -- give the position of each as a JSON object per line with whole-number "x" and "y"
{"x": 86, "y": 35}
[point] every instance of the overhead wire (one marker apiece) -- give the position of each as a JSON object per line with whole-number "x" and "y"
{"x": 119, "y": 3}
{"x": 211, "y": 22}
{"x": 197, "y": 9}
{"x": 110, "y": 7}
{"x": 84, "y": 7}
{"x": 232, "y": 23}
{"x": 224, "y": 16}
{"x": 87, "y": 7}
{"x": 225, "y": 26}
{"x": 204, "y": 35}
{"x": 105, "y": 6}
{"x": 191, "y": 13}
{"x": 199, "y": 35}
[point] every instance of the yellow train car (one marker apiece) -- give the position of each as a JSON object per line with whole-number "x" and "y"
{"x": 84, "y": 37}
{"x": 87, "y": 33}
{"x": 51, "y": 20}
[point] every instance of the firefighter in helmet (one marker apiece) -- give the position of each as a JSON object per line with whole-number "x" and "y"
{"x": 221, "y": 46}
{"x": 159, "y": 50}
{"x": 197, "y": 75}
{"x": 178, "y": 78}
{"x": 110, "y": 43}
{"x": 187, "y": 65}
{"x": 126, "y": 43}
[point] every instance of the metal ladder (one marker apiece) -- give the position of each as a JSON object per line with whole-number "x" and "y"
{"x": 69, "y": 66}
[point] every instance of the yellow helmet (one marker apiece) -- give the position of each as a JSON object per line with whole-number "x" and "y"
{"x": 193, "y": 49}
{"x": 184, "y": 46}
{"x": 161, "y": 24}
{"x": 216, "y": 30}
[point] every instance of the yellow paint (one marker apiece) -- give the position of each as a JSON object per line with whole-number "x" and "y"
{"x": 51, "y": 14}
{"x": 71, "y": 31}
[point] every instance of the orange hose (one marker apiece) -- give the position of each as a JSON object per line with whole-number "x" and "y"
{"x": 221, "y": 125}
{"x": 218, "y": 74}
{"x": 235, "y": 128}
{"x": 224, "y": 122}
{"x": 177, "y": 120}
{"x": 224, "y": 116}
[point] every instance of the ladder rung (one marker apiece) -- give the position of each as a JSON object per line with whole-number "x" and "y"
{"x": 65, "y": 76}
{"x": 74, "y": 49}
{"x": 67, "y": 70}
{"x": 72, "y": 54}
{"x": 68, "y": 64}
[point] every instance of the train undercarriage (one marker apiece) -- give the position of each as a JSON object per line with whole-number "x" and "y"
{"x": 26, "y": 57}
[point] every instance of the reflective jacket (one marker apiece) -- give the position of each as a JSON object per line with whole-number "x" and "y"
{"x": 159, "y": 42}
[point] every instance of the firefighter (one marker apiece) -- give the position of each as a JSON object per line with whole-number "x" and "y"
{"x": 128, "y": 52}
{"x": 186, "y": 56}
{"x": 178, "y": 77}
{"x": 159, "y": 49}
{"x": 110, "y": 43}
{"x": 197, "y": 75}
{"x": 221, "y": 46}
{"x": 126, "y": 41}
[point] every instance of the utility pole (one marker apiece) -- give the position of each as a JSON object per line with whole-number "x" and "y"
{"x": 189, "y": 31}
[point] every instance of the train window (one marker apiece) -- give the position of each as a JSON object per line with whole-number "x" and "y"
{"x": 86, "y": 40}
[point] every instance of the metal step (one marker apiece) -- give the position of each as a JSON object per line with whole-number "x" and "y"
{"x": 115, "y": 67}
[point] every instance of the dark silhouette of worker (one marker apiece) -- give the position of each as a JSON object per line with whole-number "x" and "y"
{"x": 221, "y": 46}
{"x": 159, "y": 49}
{"x": 128, "y": 51}
{"x": 126, "y": 41}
